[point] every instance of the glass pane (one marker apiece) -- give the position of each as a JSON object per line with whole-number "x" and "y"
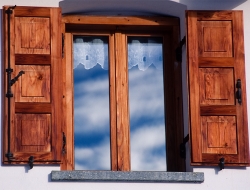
{"x": 146, "y": 102}
{"x": 91, "y": 103}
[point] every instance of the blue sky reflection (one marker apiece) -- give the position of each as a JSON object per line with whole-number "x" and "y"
{"x": 91, "y": 103}
{"x": 91, "y": 115}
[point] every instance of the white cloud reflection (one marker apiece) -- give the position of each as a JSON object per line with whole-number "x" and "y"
{"x": 96, "y": 157}
{"x": 147, "y": 122}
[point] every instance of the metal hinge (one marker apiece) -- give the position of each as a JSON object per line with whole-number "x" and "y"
{"x": 64, "y": 143}
{"x": 178, "y": 50}
{"x": 183, "y": 147}
{"x": 63, "y": 38}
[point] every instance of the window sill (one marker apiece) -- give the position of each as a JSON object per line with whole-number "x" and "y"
{"x": 134, "y": 176}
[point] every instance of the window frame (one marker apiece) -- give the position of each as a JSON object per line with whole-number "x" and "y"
{"x": 76, "y": 24}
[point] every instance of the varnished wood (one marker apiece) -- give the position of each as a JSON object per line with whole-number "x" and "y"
{"x": 32, "y": 107}
{"x": 119, "y": 111}
{"x": 241, "y": 109}
{"x": 32, "y": 59}
{"x": 113, "y": 102}
{"x": 123, "y": 137}
{"x": 219, "y": 125}
{"x": 120, "y": 20}
{"x": 218, "y": 110}
{"x": 68, "y": 103}
{"x": 219, "y": 134}
{"x": 193, "y": 78}
{"x": 32, "y": 11}
{"x": 35, "y": 127}
{"x": 216, "y": 62}
{"x": 214, "y": 15}
{"x": 32, "y": 133}
{"x": 214, "y": 39}
{"x": 32, "y": 35}
{"x": 34, "y": 84}
{"x": 216, "y": 86}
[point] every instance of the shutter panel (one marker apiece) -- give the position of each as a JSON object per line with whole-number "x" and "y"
{"x": 218, "y": 122}
{"x": 35, "y": 48}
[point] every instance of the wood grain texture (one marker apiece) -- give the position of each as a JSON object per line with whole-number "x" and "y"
{"x": 120, "y": 20}
{"x": 113, "y": 103}
{"x": 216, "y": 86}
{"x": 123, "y": 137}
{"x": 32, "y": 35}
{"x": 35, "y": 125}
{"x": 68, "y": 104}
{"x": 34, "y": 84}
{"x": 222, "y": 125}
{"x": 119, "y": 112}
{"x": 32, "y": 132}
{"x": 32, "y": 59}
{"x": 193, "y": 78}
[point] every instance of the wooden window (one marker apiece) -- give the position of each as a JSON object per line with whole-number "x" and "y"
{"x": 120, "y": 30}
{"x": 35, "y": 108}
{"x": 218, "y": 115}
{"x": 40, "y": 123}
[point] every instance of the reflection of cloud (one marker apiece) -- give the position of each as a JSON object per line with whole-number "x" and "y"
{"x": 93, "y": 158}
{"x": 148, "y": 148}
{"x": 146, "y": 97}
{"x": 92, "y": 106}
{"x": 147, "y": 138}
{"x": 146, "y": 93}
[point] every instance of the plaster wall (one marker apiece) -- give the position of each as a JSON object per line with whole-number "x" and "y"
{"x": 20, "y": 177}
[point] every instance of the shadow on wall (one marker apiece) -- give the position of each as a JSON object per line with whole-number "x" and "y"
{"x": 212, "y": 4}
{"x": 135, "y": 7}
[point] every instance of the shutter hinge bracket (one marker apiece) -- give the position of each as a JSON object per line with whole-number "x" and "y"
{"x": 178, "y": 51}
{"x": 222, "y": 163}
{"x": 183, "y": 147}
{"x": 9, "y": 70}
{"x": 31, "y": 161}
{"x": 64, "y": 143}
{"x": 63, "y": 39}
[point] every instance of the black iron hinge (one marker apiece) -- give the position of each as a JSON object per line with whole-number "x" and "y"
{"x": 64, "y": 143}
{"x": 183, "y": 147}
{"x": 178, "y": 50}
{"x": 63, "y": 39}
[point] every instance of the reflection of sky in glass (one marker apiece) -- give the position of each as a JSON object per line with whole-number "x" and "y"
{"x": 91, "y": 103}
{"x": 147, "y": 124}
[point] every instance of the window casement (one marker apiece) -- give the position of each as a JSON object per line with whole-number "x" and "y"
{"x": 120, "y": 31}
{"x": 39, "y": 125}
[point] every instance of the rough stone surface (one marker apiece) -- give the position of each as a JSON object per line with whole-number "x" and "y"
{"x": 118, "y": 176}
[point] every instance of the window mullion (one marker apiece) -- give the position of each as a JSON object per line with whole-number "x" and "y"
{"x": 123, "y": 144}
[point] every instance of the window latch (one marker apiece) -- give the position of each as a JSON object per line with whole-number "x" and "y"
{"x": 183, "y": 147}
{"x": 16, "y": 78}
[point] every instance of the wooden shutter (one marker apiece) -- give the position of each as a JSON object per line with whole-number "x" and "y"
{"x": 35, "y": 48}
{"x": 218, "y": 121}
